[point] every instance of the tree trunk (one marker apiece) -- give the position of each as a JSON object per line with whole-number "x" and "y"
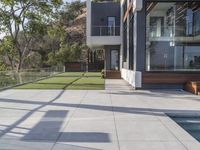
{"x": 11, "y": 63}
{"x": 19, "y": 67}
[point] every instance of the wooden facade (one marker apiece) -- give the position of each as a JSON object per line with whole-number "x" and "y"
{"x": 169, "y": 78}
{"x": 112, "y": 74}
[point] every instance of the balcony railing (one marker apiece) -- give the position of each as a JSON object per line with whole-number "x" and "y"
{"x": 171, "y": 31}
{"x": 105, "y": 30}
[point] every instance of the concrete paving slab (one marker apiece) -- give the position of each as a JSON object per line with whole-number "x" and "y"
{"x": 135, "y": 115}
{"x": 96, "y": 146}
{"x": 117, "y": 118}
{"x": 143, "y": 130}
{"x": 193, "y": 145}
{"x": 154, "y": 145}
{"x": 90, "y": 112}
{"x": 24, "y": 145}
{"x": 60, "y": 146}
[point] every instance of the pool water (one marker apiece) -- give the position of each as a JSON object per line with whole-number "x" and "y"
{"x": 190, "y": 123}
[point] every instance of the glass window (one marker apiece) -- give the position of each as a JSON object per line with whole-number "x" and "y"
{"x": 173, "y": 36}
{"x": 111, "y": 25}
{"x": 131, "y": 40}
{"x": 125, "y": 44}
{"x": 189, "y": 22}
{"x": 197, "y": 22}
{"x": 156, "y": 24}
{"x": 114, "y": 60}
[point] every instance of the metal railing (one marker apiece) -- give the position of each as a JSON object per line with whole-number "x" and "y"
{"x": 10, "y": 79}
{"x": 105, "y": 30}
{"x": 170, "y": 31}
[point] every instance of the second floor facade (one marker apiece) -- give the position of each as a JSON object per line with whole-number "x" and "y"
{"x": 103, "y": 24}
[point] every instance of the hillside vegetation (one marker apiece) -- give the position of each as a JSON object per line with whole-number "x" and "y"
{"x": 42, "y": 35}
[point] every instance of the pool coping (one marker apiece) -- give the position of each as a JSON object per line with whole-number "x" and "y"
{"x": 181, "y": 134}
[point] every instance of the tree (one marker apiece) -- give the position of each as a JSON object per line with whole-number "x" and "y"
{"x": 71, "y": 10}
{"x": 25, "y": 18}
{"x": 8, "y": 52}
{"x": 67, "y": 53}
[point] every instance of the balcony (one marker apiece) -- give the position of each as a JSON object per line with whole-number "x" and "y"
{"x": 100, "y": 30}
{"x": 104, "y": 35}
{"x": 105, "y": 31}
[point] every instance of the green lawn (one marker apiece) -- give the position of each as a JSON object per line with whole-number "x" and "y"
{"x": 69, "y": 81}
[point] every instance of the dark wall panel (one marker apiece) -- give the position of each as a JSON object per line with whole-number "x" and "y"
{"x": 100, "y": 12}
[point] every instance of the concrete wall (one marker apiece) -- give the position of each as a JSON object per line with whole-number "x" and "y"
{"x": 134, "y": 78}
{"x": 100, "y": 41}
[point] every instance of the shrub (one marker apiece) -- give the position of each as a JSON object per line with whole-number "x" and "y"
{"x": 102, "y": 74}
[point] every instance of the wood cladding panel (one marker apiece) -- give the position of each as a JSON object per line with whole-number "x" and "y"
{"x": 169, "y": 78}
{"x": 112, "y": 74}
{"x": 127, "y": 11}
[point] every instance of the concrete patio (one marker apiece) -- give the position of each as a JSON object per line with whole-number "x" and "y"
{"x": 117, "y": 118}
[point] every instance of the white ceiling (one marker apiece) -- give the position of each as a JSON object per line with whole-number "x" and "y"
{"x": 163, "y": 6}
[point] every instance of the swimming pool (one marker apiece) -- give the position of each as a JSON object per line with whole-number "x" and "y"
{"x": 190, "y": 123}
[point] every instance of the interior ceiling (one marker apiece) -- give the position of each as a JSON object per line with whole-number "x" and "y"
{"x": 180, "y": 7}
{"x": 166, "y": 5}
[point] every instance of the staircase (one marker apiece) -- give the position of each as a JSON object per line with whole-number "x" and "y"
{"x": 193, "y": 87}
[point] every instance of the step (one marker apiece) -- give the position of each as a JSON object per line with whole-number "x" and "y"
{"x": 111, "y": 74}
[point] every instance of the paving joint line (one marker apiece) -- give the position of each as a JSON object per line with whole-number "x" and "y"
{"x": 114, "y": 119}
{"x": 173, "y": 134}
{"x": 150, "y": 106}
{"x": 67, "y": 123}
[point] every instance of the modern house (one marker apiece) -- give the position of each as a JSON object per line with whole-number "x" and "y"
{"x": 149, "y": 43}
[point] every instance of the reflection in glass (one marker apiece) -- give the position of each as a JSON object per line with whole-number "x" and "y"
{"x": 111, "y": 26}
{"x": 114, "y": 60}
{"x": 173, "y": 36}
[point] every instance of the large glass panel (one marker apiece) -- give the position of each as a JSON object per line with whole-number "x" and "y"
{"x": 114, "y": 60}
{"x": 173, "y": 36}
{"x": 111, "y": 26}
{"x": 197, "y": 23}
